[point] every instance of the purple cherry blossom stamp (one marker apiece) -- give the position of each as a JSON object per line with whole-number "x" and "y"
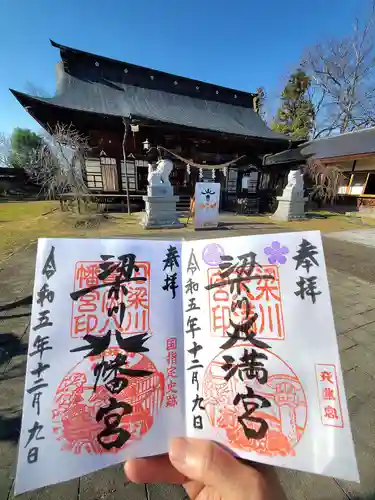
{"x": 212, "y": 254}
{"x": 276, "y": 253}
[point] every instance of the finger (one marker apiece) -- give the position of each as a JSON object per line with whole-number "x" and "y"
{"x": 193, "y": 488}
{"x": 208, "y": 463}
{"x": 153, "y": 470}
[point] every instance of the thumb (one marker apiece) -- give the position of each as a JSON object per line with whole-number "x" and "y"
{"x": 208, "y": 463}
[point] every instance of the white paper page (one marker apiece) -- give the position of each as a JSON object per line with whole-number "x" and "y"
{"x": 283, "y": 404}
{"x": 70, "y": 429}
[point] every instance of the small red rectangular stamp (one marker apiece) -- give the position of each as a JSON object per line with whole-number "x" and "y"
{"x": 329, "y": 395}
{"x": 264, "y": 298}
{"x": 171, "y": 397}
{"x": 90, "y": 311}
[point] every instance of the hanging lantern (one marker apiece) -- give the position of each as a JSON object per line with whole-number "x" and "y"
{"x": 146, "y": 145}
{"x": 201, "y": 173}
{"x": 188, "y": 169}
{"x": 213, "y": 173}
{"x": 225, "y": 171}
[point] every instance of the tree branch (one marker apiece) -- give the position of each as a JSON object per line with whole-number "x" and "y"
{"x": 59, "y": 166}
{"x": 344, "y": 72}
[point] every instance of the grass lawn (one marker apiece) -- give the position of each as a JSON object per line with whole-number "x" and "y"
{"x": 22, "y": 211}
{"x": 22, "y": 223}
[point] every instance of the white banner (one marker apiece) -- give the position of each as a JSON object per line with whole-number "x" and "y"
{"x": 207, "y": 202}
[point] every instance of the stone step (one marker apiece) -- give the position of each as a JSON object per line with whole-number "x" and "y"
{"x": 183, "y": 203}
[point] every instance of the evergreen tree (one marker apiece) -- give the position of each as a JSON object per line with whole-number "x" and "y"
{"x": 296, "y": 114}
{"x": 24, "y": 144}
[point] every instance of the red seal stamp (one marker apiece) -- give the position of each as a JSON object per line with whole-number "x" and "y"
{"x": 88, "y": 417}
{"x": 245, "y": 399}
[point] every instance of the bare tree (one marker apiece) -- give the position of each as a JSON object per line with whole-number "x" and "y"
{"x": 343, "y": 77}
{"x": 326, "y": 179}
{"x": 59, "y": 166}
{"x": 317, "y": 98}
{"x": 36, "y": 90}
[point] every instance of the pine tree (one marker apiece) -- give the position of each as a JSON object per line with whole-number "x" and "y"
{"x": 296, "y": 114}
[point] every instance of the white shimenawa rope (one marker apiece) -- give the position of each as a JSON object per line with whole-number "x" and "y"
{"x": 203, "y": 165}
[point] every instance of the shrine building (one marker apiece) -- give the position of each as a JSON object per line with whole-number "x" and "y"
{"x": 190, "y": 120}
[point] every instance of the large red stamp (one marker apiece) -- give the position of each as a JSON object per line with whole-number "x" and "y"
{"x": 265, "y": 300}
{"x": 285, "y": 416}
{"x": 329, "y": 395}
{"x": 90, "y": 312}
{"x": 78, "y": 401}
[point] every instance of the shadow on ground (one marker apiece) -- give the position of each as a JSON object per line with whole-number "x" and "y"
{"x": 10, "y": 426}
{"x": 318, "y": 216}
{"x": 12, "y": 316}
{"x": 15, "y": 371}
{"x": 10, "y": 346}
{"x": 245, "y": 223}
{"x": 26, "y": 301}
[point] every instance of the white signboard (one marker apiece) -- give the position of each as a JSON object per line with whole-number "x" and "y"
{"x": 207, "y": 203}
{"x": 134, "y": 342}
{"x": 250, "y": 181}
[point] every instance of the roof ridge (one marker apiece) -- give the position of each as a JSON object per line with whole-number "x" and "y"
{"x": 156, "y": 71}
{"x": 358, "y": 130}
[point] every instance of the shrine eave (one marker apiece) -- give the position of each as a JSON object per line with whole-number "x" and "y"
{"x": 349, "y": 144}
{"x": 151, "y": 108}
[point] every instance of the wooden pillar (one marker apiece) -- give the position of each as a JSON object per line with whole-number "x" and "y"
{"x": 125, "y": 122}
{"x": 119, "y": 175}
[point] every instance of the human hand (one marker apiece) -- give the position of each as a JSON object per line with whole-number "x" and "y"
{"x": 207, "y": 472}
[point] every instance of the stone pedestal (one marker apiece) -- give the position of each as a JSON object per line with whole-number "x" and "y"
{"x": 292, "y": 202}
{"x": 161, "y": 212}
{"x": 290, "y": 209}
{"x": 160, "y": 203}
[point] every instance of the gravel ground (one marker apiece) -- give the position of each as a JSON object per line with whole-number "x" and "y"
{"x": 350, "y": 258}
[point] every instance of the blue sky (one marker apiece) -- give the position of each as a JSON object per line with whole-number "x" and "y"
{"x": 239, "y": 43}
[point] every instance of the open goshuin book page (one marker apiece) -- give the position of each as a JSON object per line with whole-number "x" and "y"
{"x": 133, "y": 342}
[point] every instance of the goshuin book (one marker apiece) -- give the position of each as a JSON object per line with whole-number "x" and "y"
{"x": 133, "y": 342}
